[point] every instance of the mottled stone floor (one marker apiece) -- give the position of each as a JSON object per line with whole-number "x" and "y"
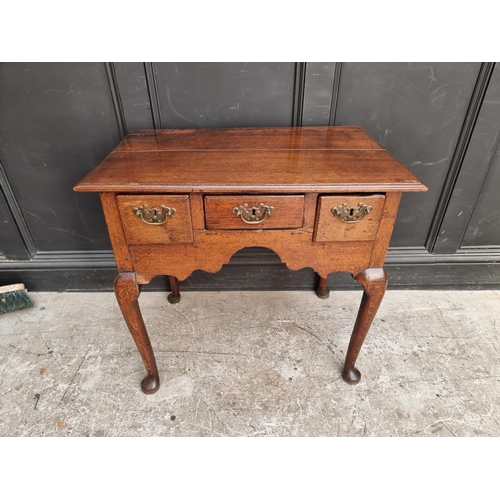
{"x": 253, "y": 364}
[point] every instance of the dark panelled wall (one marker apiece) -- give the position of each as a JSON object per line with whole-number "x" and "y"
{"x": 59, "y": 120}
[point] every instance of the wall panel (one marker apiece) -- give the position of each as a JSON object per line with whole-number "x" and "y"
{"x": 225, "y": 94}
{"x": 57, "y": 123}
{"x": 318, "y": 93}
{"x": 475, "y": 183}
{"x": 416, "y": 111}
{"x": 484, "y": 226}
{"x": 133, "y": 90}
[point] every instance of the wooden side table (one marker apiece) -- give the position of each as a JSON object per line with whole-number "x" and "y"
{"x": 180, "y": 200}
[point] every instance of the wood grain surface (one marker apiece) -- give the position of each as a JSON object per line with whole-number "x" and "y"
{"x": 330, "y": 227}
{"x": 212, "y": 249}
{"x": 220, "y": 165}
{"x": 176, "y": 229}
{"x": 288, "y": 212}
{"x": 374, "y": 282}
{"x": 116, "y": 234}
{"x": 249, "y": 138}
{"x": 127, "y": 292}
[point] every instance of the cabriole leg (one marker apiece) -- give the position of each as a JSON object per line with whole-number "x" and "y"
{"x": 175, "y": 296}
{"x": 374, "y": 281}
{"x": 127, "y": 292}
{"x": 322, "y": 291}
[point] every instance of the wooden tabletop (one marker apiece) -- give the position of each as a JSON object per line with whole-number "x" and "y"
{"x": 278, "y": 160}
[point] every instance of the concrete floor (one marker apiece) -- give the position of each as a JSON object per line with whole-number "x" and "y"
{"x": 253, "y": 364}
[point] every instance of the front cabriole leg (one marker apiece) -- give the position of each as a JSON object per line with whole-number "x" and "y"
{"x": 127, "y": 292}
{"x": 374, "y": 281}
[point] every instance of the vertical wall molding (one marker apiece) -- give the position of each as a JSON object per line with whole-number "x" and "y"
{"x": 17, "y": 214}
{"x": 475, "y": 104}
{"x": 457, "y": 240}
{"x": 116, "y": 98}
{"x": 474, "y": 173}
{"x": 335, "y": 93}
{"x": 298, "y": 93}
{"x": 153, "y": 94}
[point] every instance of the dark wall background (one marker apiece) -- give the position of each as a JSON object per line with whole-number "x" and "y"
{"x": 59, "y": 120}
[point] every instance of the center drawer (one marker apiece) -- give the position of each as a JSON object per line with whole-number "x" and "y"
{"x": 254, "y": 212}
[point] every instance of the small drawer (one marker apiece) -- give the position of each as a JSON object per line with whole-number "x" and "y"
{"x": 254, "y": 212}
{"x": 348, "y": 218}
{"x": 155, "y": 219}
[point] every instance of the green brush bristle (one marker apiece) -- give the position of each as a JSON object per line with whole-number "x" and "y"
{"x": 14, "y": 301}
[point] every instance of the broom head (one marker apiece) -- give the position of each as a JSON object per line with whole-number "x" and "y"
{"x": 14, "y": 298}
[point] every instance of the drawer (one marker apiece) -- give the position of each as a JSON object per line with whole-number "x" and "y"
{"x": 254, "y": 212}
{"x": 147, "y": 220}
{"x": 348, "y": 218}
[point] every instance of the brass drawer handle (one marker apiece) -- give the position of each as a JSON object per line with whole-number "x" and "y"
{"x": 351, "y": 215}
{"x": 254, "y": 215}
{"x": 154, "y": 216}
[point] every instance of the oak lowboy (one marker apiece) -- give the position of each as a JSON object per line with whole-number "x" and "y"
{"x": 180, "y": 200}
